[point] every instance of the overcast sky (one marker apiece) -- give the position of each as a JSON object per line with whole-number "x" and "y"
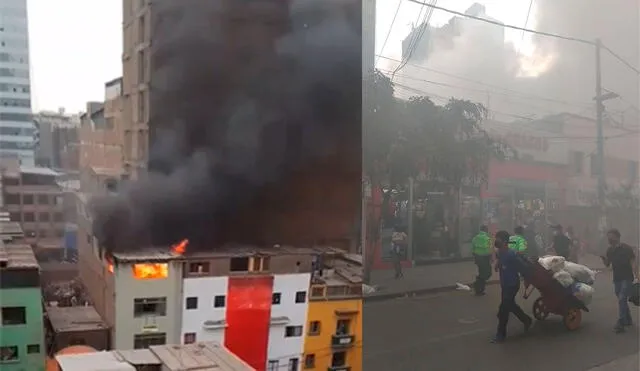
{"x": 76, "y": 45}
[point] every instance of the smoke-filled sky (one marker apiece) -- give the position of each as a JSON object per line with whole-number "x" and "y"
{"x": 240, "y": 107}
{"x": 529, "y": 75}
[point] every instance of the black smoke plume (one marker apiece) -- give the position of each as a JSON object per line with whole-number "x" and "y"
{"x": 243, "y": 94}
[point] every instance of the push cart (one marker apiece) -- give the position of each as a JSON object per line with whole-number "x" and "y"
{"x": 554, "y": 298}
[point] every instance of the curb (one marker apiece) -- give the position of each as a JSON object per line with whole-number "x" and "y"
{"x": 416, "y": 292}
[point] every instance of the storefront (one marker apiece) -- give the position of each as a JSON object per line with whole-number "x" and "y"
{"x": 519, "y": 192}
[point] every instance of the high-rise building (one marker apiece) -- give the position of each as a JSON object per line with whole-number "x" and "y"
{"x": 368, "y": 35}
{"x": 57, "y": 140}
{"x": 17, "y": 130}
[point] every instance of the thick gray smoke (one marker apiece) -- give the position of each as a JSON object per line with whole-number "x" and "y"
{"x": 567, "y": 86}
{"x": 242, "y": 96}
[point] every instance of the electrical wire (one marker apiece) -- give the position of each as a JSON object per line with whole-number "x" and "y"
{"x": 526, "y": 23}
{"x": 424, "y": 26}
{"x": 482, "y": 83}
{"x": 548, "y": 34}
{"x": 386, "y": 39}
{"x": 557, "y": 36}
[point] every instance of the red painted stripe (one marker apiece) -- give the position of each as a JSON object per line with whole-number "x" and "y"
{"x": 248, "y": 316}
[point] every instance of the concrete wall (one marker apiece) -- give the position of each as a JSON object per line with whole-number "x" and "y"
{"x": 205, "y": 289}
{"x": 30, "y": 334}
{"x": 128, "y": 288}
{"x": 280, "y": 347}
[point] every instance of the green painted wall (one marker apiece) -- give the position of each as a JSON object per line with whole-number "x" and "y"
{"x": 22, "y": 335}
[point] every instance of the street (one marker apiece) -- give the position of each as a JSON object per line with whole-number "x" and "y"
{"x": 451, "y": 331}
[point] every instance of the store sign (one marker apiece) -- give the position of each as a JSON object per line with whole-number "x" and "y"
{"x": 526, "y": 141}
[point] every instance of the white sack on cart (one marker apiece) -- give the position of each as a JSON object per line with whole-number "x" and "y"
{"x": 580, "y": 273}
{"x": 564, "y": 278}
{"x": 552, "y": 263}
{"x": 583, "y": 292}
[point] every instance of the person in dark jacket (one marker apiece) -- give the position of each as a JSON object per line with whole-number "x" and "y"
{"x": 532, "y": 245}
{"x": 510, "y": 265}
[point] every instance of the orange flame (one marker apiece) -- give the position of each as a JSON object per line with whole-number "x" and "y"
{"x": 150, "y": 271}
{"x": 110, "y": 267}
{"x": 181, "y": 247}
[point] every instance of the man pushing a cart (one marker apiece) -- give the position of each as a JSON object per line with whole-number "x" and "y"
{"x": 510, "y": 266}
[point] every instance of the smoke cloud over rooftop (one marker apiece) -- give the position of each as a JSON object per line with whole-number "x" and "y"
{"x": 242, "y": 97}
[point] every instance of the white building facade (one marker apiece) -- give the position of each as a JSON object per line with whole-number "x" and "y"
{"x": 17, "y": 130}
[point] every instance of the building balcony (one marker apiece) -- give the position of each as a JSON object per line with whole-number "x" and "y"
{"x": 339, "y": 368}
{"x": 342, "y": 341}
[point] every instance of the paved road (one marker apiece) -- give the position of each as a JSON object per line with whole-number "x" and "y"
{"x": 451, "y": 331}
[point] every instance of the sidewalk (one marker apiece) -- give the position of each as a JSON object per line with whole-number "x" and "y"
{"x": 432, "y": 279}
{"x": 629, "y": 363}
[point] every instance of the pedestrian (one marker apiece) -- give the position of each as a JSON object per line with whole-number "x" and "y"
{"x": 533, "y": 248}
{"x": 574, "y": 245}
{"x": 517, "y": 242}
{"x": 398, "y": 241}
{"x": 482, "y": 254}
{"x": 561, "y": 244}
{"x": 622, "y": 259}
{"x": 509, "y": 265}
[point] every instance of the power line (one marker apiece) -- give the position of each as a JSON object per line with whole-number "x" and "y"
{"x": 548, "y": 34}
{"x": 393, "y": 21}
{"x": 416, "y": 37}
{"x": 522, "y": 94}
{"x": 557, "y": 36}
{"x": 618, "y": 57}
{"x": 526, "y": 23}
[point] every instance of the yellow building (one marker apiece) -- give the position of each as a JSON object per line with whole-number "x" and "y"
{"x": 333, "y": 340}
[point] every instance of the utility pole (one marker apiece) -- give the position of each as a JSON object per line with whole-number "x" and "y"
{"x": 599, "y": 98}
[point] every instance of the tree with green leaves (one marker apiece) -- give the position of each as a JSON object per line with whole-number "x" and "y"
{"x": 419, "y": 139}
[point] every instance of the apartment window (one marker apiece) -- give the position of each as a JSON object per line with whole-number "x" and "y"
{"x": 239, "y": 264}
{"x": 317, "y": 292}
{"x": 189, "y": 337}
{"x": 57, "y": 217}
{"x": 301, "y": 297}
{"x": 260, "y": 264}
{"x": 43, "y": 217}
{"x": 9, "y": 354}
{"x": 27, "y": 199}
{"x": 337, "y": 290}
{"x": 199, "y": 267}
{"x": 142, "y": 106}
{"x": 342, "y": 327}
{"x": 43, "y": 200}
{"x": 310, "y": 361}
{"x": 314, "y": 328}
{"x": 339, "y": 359}
{"x": 149, "y": 307}
{"x": 293, "y": 364}
{"x": 33, "y": 348}
{"x": 13, "y": 316}
{"x": 192, "y": 302}
{"x": 577, "y": 162}
{"x": 12, "y": 199}
{"x": 143, "y": 341}
{"x": 15, "y": 217}
{"x": 273, "y": 365}
{"x": 219, "y": 301}
{"x": 594, "y": 168}
{"x": 29, "y": 217}
{"x": 633, "y": 170}
{"x": 292, "y": 331}
{"x": 142, "y": 29}
{"x": 276, "y": 297}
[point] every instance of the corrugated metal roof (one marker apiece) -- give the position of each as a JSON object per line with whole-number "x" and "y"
{"x": 198, "y": 356}
{"x": 17, "y": 256}
{"x": 99, "y": 361}
{"x": 79, "y": 318}
{"x": 38, "y": 171}
{"x": 227, "y": 251}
